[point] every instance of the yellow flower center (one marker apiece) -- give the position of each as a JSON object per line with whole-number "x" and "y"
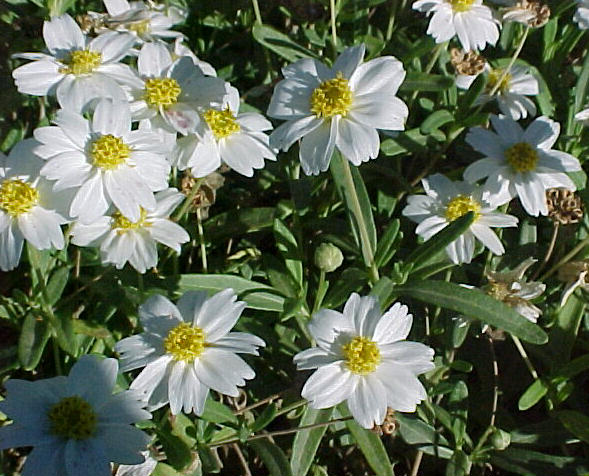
{"x": 493, "y": 79}
{"x": 222, "y": 123}
{"x": 362, "y": 355}
{"x": 17, "y": 197}
{"x": 161, "y": 92}
{"x": 140, "y": 27}
{"x": 522, "y": 157}
{"x": 82, "y": 62}
{"x": 185, "y": 342}
{"x": 460, "y": 206}
{"x": 108, "y": 152}
{"x": 72, "y": 418}
{"x": 122, "y": 224}
{"x": 461, "y": 5}
{"x": 333, "y": 97}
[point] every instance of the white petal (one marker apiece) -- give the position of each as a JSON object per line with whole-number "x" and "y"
{"x": 63, "y": 34}
{"x": 111, "y": 118}
{"x": 317, "y": 146}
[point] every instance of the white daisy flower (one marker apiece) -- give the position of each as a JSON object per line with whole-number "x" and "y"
{"x": 179, "y": 49}
{"x": 581, "y": 17}
{"x": 473, "y": 22}
{"x": 362, "y": 358}
{"x": 521, "y": 162}
{"x": 121, "y": 240}
{"x": 147, "y": 22}
{"x": 78, "y": 69}
{"x": 29, "y": 208}
{"x": 446, "y": 201}
{"x": 583, "y": 116}
{"x": 170, "y": 90}
{"x": 104, "y": 160}
{"x": 226, "y": 136}
{"x": 511, "y": 94}
{"x": 144, "y": 469}
{"x": 187, "y": 349}
{"x": 75, "y": 424}
{"x": 342, "y": 106}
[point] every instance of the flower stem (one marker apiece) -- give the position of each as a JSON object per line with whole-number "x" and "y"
{"x": 525, "y": 357}
{"x": 367, "y": 251}
{"x": 570, "y": 255}
{"x": 188, "y": 200}
{"x": 511, "y": 62}
{"x": 257, "y": 12}
{"x": 548, "y": 251}
{"x": 201, "y": 239}
{"x": 333, "y": 26}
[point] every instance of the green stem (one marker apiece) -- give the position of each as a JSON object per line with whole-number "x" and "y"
{"x": 257, "y": 12}
{"x": 513, "y": 58}
{"x": 320, "y": 292}
{"x": 436, "y": 54}
{"x": 570, "y": 255}
{"x": 367, "y": 251}
{"x": 188, "y": 200}
{"x": 333, "y": 26}
{"x": 201, "y": 239}
{"x": 525, "y": 357}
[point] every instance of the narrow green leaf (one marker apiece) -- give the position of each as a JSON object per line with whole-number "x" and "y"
{"x": 238, "y": 223}
{"x": 532, "y": 395}
{"x": 370, "y": 445}
{"x": 306, "y": 442}
{"x": 339, "y": 174}
{"x": 426, "y": 82}
{"x": 427, "y": 251}
{"x": 417, "y": 432}
{"x": 386, "y": 248}
{"x": 32, "y": 341}
{"x": 288, "y": 246}
{"x": 56, "y": 285}
{"x": 216, "y": 412}
{"x": 279, "y": 43}
{"x": 272, "y": 456}
{"x": 436, "y": 120}
{"x": 459, "y": 464}
{"x": 564, "y": 332}
{"x": 265, "y": 418}
{"x": 475, "y": 304}
{"x": 257, "y": 295}
{"x": 475, "y": 90}
{"x": 577, "y": 423}
{"x": 178, "y": 453}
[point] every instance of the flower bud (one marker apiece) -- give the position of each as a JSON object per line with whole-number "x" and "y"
{"x": 500, "y": 439}
{"x": 328, "y": 257}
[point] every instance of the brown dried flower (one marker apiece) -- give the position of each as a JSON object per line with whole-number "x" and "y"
{"x": 468, "y": 64}
{"x": 564, "y": 206}
{"x": 388, "y": 426}
{"x": 528, "y": 12}
{"x": 207, "y": 191}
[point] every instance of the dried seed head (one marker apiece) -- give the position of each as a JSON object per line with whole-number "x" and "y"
{"x": 388, "y": 426}
{"x": 564, "y": 206}
{"x": 207, "y": 191}
{"x": 528, "y": 12}
{"x": 469, "y": 63}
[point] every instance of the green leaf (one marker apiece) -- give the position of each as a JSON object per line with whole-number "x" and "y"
{"x": 577, "y": 423}
{"x": 458, "y": 407}
{"x": 306, "y": 442}
{"x": 475, "y": 304}
{"x": 427, "y": 251}
{"x": 33, "y": 338}
{"x": 265, "y": 418}
{"x": 238, "y": 223}
{"x": 436, "y": 120}
{"x": 475, "y": 90}
{"x": 163, "y": 469}
{"x": 370, "y": 444}
{"x": 426, "y": 82}
{"x": 459, "y": 464}
{"x": 57, "y": 284}
{"x": 257, "y": 295}
{"x": 216, "y": 412}
{"x": 425, "y": 437}
{"x": 272, "y": 456}
{"x": 279, "y": 43}
{"x": 387, "y": 245}
{"x": 339, "y": 173}
{"x": 288, "y": 246}
{"x": 178, "y": 453}
{"x": 564, "y": 332}
{"x": 64, "y": 333}
{"x": 532, "y": 395}
{"x": 351, "y": 280}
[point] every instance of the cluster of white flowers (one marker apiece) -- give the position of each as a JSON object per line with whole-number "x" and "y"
{"x": 109, "y": 175}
